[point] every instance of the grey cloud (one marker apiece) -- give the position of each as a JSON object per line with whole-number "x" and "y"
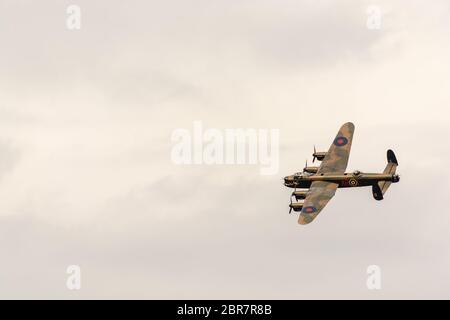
{"x": 9, "y": 157}
{"x": 85, "y": 170}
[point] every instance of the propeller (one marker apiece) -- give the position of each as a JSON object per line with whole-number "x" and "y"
{"x": 290, "y": 208}
{"x": 306, "y": 165}
{"x": 314, "y": 154}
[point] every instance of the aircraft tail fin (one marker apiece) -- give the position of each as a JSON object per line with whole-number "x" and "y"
{"x": 380, "y": 188}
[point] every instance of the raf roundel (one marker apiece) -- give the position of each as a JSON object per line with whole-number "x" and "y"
{"x": 340, "y": 141}
{"x": 309, "y": 209}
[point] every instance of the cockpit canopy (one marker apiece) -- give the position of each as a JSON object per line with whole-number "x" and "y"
{"x": 356, "y": 173}
{"x": 302, "y": 174}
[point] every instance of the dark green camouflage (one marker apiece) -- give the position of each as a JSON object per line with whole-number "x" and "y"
{"x": 337, "y": 157}
{"x": 319, "y": 194}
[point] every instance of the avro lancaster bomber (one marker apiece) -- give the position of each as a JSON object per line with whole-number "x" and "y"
{"x": 315, "y": 186}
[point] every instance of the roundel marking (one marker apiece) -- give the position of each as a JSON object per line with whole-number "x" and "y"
{"x": 309, "y": 209}
{"x": 340, "y": 141}
{"x": 353, "y": 182}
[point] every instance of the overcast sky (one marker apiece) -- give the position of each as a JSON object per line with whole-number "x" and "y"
{"x": 86, "y": 118}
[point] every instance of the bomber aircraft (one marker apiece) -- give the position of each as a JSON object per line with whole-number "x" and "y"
{"x": 317, "y": 185}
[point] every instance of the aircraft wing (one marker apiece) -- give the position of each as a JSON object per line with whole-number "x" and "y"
{"x": 318, "y": 196}
{"x": 337, "y": 157}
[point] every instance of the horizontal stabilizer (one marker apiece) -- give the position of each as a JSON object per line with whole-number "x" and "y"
{"x": 379, "y": 189}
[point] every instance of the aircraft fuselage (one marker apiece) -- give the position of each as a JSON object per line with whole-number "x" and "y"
{"x": 344, "y": 180}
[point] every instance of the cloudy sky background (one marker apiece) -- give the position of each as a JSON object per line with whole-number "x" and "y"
{"x": 86, "y": 119}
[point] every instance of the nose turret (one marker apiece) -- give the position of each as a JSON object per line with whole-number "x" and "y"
{"x": 289, "y": 181}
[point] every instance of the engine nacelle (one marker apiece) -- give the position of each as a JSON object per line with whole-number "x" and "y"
{"x": 300, "y": 195}
{"x": 319, "y": 155}
{"x": 296, "y": 206}
{"x": 311, "y": 169}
